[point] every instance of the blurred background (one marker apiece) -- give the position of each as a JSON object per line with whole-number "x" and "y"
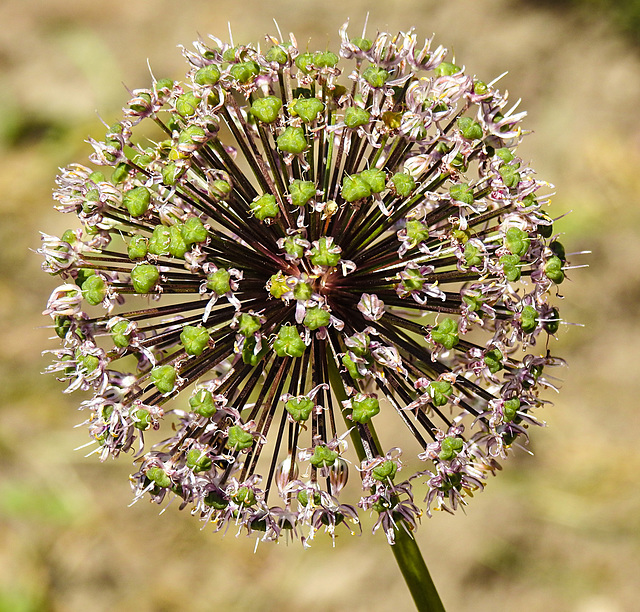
{"x": 556, "y": 531}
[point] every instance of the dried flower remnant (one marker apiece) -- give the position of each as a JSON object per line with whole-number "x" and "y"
{"x": 301, "y": 245}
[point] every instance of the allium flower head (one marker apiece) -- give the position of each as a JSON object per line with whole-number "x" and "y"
{"x": 288, "y": 244}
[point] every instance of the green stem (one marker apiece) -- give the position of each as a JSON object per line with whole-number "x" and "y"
{"x": 415, "y": 572}
{"x": 405, "y": 549}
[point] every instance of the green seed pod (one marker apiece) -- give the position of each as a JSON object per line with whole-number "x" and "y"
{"x": 187, "y": 104}
{"x": 472, "y": 255}
{"x": 321, "y": 256}
{"x": 120, "y": 173}
{"x": 355, "y": 116}
{"x": 219, "y": 281}
{"x": 470, "y": 129}
{"x": 365, "y": 409}
{"x": 86, "y": 363}
{"x": 480, "y": 88}
{"x": 244, "y": 71}
{"x": 552, "y": 269}
{"x": 301, "y": 192}
{"x": 316, "y": 318}
{"x": 278, "y": 285}
{"x": 94, "y": 290}
{"x": 516, "y": 241}
{"x": 308, "y": 109}
{"x": 446, "y": 333}
{"x": 403, "y": 184}
{"x": 417, "y": 231}
{"x": 238, "y": 438}
{"x": 249, "y": 325}
{"x": 83, "y": 275}
{"x": 385, "y": 471}
{"x": 303, "y": 62}
{"x": 249, "y": 355}
{"x": 289, "y": 343}
{"x": 376, "y": 179}
{"x": 505, "y": 155}
{"x": 265, "y": 207}
{"x": 412, "y": 280}
{"x": 144, "y": 277}
{"x": 462, "y": 193}
{"x": 245, "y": 497}
{"x": 177, "y": 245}
{"x": 510, "y": 175}
{"x": 440, "y": 391}
{"x": 292, "y": 248}
{"x": 194, "y": 339}
{"x": 375, "y": 76}
{"x": 511, "y": 266}
{"x": 364, "y": 44}
{"x": 160, "y": 240}
{"x": 299, "y": 408}
{"x": 325, "y": 59}
{"x": 493, "y": 360}
{"x": 510, "y": 409}
{"x": 119, "y": 334}
{"x": 348, "y": 363}
{"x": 446, "y": 69}
{"x": 137, "y": 247}
{"x": 323, "y": 456}
{"x": 304, "y": 499}
{"x": 450, "y": 448}
{"x": 143, "y": 419}
{"x": 552, "y": 324}
{"x": 354, "y": 188}
{"x": 201, "y": 402}
{"x": 292, "y": 140}
{"x": 164, "y": 378}
{"x": 215, "y": 501}
{"x": 277, "y": 54}
{"x": 171, "y": 174}
{"x": 62, "y": 325}
{"x": 266, "y": 109}
{"x": 207, "y": 75}
{"x": 198, "y": 461}
{"x": 220, "y": 189}
{"x": 302, "y": 291}
{"x": 529, "y": 319}
{"x": 159, "y": 476}
{"x": 558, "y": 249}
{"x": 193, "y": 231}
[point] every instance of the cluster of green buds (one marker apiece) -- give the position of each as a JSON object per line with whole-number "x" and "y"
{"x": 287, "y": 244}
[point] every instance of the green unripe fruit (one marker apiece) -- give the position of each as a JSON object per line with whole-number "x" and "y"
{"x": 462, "y": 193}
{"x": 301, "y": 192}
{"x": 299, "y": 408}
{"x": 316, "y": 318}
{"x": 238, "y": 438}
{"x": 187, "y": 104}
{"x": 470, "y": 129}
{"x": 292, "y": 140}
{"x": 376, "y": 179}
{"x": 403, "y": 183}
{"x": 201, "y": 402}
{"x": 385, "y": 471}
{"x": 207, "y": 75}
{"x": 529, "y": 319}
{"x": 265, "y": 207}
{"x": 194, "y": 339}
{"x": 375, "y": 76}
{"x": 144, "y": 277}
{"x": 355, "y": 188}
{"x": 289, "y": 343}
{"x": 119, "y": 334}
{"x": 160, "y": 240}
{"x": 446, "y": 69}
{"x": 138, "y": 247}
{"x": 446, "y": 333}
{"x": 266, "y": 109}
{"x": 219, "y": 281}
{"x": 94, "y": 290}
{"x": 164, "y": 378}
{"x": 355, "y": 116}
{"x": 249, "y": 325}
{"x": 365, "y": 409}
{"x": 308, "y": 109}
{"x": 321, "y": 256}
{"x": 323, "y": 456}
{"x": 194, "y": 231}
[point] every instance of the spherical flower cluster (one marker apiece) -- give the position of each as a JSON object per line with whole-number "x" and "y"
{"x": 293, "y": 247}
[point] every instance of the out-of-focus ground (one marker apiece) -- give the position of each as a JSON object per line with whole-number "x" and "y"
{"x": 559, "y": 531}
